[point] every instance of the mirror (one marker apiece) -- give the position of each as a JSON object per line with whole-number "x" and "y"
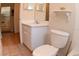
{"x": 28, "y": 6}
{"x": 40, "y": 7}
{"x": 5, "y": 11}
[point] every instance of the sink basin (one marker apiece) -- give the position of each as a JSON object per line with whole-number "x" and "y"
{"x": 34, "y": 24}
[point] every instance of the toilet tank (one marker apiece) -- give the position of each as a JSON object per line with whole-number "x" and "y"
{"x": 58, "y": 38}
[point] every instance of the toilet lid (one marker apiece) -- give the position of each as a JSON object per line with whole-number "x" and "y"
{"x": 45, "y": 50}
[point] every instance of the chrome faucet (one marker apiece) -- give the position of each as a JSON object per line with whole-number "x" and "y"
{"x": 36, "y": 21}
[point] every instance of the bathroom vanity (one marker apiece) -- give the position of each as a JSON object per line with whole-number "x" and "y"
{"x": 33, "y": 35}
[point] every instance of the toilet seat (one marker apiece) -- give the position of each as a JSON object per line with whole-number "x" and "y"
{"x": 45, "y": 50}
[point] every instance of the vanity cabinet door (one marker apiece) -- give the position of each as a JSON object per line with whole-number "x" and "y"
{"x": 26, "y": 38}
{"x": 26, "y": 28}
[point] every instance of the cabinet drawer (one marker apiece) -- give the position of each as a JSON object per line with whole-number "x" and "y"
{"x": 26, "y": 28}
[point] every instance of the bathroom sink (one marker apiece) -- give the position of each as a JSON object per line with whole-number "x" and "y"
{"x": 34, "y": 24}
{"x": 41, "y": 23}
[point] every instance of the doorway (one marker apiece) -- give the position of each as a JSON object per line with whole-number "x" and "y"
{"x": 7, "y": 17}
{"x": 9, "y": 21}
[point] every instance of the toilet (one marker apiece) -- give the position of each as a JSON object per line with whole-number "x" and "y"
{"x": 58, "y": 39}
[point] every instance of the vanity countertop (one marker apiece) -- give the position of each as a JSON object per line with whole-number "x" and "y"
{"x": 33, "y": 24}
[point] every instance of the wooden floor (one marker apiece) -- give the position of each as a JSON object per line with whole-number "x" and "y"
{"x": 12, "y": 47}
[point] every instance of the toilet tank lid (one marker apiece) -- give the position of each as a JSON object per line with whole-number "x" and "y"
{"x": 60, "y": 32}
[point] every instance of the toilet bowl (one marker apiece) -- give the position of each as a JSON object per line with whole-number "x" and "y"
{"x": 44, "y": 50}
{"x": 58, "y": 40}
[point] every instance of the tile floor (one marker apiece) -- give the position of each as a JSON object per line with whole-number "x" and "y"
{"x": 12, "y": 47}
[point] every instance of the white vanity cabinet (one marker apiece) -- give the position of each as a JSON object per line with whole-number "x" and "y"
{"x": 26, "y": 36}
{"x": 33, "y": 36}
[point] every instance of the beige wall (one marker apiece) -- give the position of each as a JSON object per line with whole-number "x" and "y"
{"x": 75, "y": 42}
{"x": 61, "y": 22}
